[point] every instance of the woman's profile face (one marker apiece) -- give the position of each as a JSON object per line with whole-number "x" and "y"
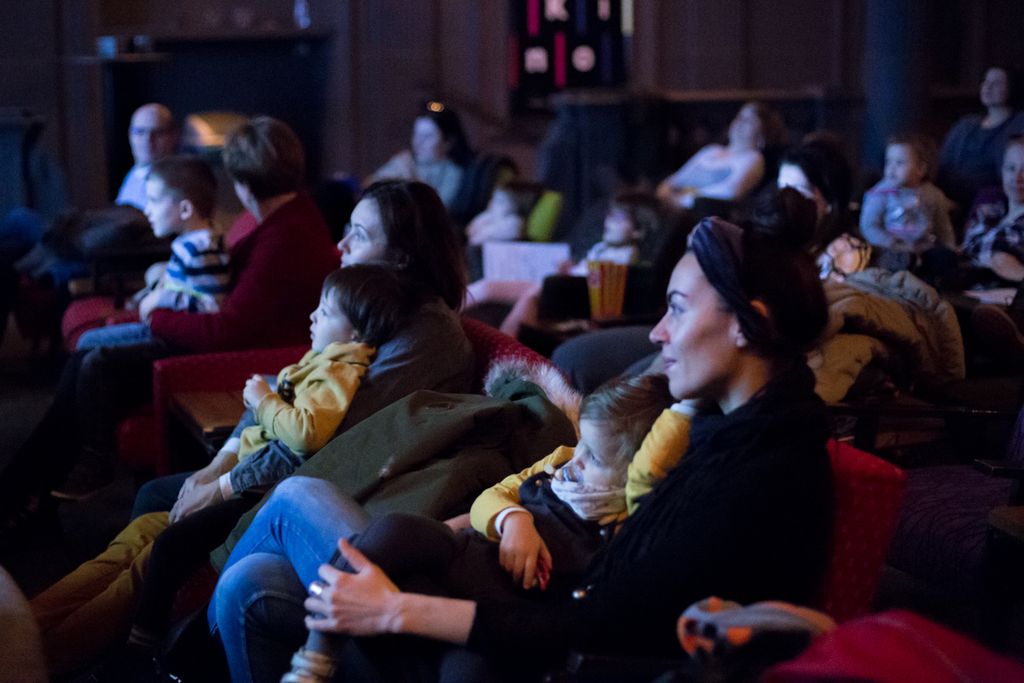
{"x": 697, "y": 336}
{"x": 428, "y": 144}
{"x": 746, "y": 128}
{"x": 995, "y": 88}
{"x": 365, "y": 240}
{"x": 1013, "y": 173}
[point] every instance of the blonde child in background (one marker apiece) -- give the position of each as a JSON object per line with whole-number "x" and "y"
{"x": 631, "y": 219}
{"x": 504, "y": 219}
{"x": 904, "y": 215}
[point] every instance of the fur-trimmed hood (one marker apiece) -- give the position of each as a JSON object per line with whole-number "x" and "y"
{"x": 545, "y": 376}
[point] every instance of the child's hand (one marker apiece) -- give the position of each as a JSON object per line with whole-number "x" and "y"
{"x": 522, "y": 551}
{"x": 256, "y": 389}
{"x": 147, "y": 305}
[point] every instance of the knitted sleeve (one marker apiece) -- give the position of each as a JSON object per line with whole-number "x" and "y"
{"x": 661, "y": 450}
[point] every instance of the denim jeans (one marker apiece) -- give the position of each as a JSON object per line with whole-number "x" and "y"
{"x": 257, "y": 606}
{"x": 115, "y": 335}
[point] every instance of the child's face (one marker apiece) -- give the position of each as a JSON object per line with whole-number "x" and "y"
{"x": 329, "y": 325}
{"x": 164, "y": 210}
{"x": 1013, "y": 173}
{"x": 903, "y": 167}
{"x": 588, "y": 465}
{"x": 618, "y": 227}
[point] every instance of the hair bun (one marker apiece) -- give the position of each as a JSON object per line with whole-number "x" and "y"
{"x": 785, "y": 218}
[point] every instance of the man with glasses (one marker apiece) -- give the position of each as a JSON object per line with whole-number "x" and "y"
{"x": 153, "y": 135}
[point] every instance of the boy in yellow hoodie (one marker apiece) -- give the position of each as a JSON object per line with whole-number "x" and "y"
{"x": 361, "y": 307}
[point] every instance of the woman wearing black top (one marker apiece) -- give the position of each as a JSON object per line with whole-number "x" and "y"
{"x": 746, "y": 515}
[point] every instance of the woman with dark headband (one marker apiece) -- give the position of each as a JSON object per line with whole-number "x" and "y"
{"x": 746, "y": 514}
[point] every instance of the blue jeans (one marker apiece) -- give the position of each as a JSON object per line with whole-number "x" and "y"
{"x": 123, "y": 334}
{"x": 257, "y": 606}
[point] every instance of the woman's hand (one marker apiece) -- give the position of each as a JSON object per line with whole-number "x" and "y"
{"x": 360, "y": 604}
{"x": 522, "y": 549}
{"x": 196, "y": 498}
{"x": 256, "y": 389}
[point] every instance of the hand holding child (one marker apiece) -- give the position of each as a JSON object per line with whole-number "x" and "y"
{"x": 360, "y": 603}
{"x": 522, "y": 550}
{"x": 256, "y": 389}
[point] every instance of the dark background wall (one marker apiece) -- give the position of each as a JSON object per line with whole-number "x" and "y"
{"x": 351, "y": 83}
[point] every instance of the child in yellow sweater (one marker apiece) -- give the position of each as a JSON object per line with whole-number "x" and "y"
{"x": 361, "y": 307}
{"x": 550, "y": 519}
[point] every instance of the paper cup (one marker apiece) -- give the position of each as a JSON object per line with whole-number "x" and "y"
{"x": 606, "y": 284}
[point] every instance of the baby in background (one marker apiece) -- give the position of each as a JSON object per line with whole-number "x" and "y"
{"x": 506, "y": 213}
{"x": 905, "y": 214}
{"x": 180, "y": 200}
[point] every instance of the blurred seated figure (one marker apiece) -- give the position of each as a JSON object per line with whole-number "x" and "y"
{"x": 632, "y": 219}
{"x": 994, "y": 240}
{"x": 152, "y": 135}
{"x": 973, "y": 148}
{"x": 506, "y": 213}
{"x": 905, "y": 217}
{"x": 437, "y": 154}
{"x": 727, "y": 171}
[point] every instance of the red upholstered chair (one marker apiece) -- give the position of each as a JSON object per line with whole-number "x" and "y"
{"x": 89, "y": 313}
{"x": 868, "y": 492}
{"x": 142, "y": 437}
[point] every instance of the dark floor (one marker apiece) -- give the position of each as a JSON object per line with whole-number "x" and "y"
{"x": 27, "y": 379}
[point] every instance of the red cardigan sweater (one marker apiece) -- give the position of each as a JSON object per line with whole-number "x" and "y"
{"x": 278, "y": 268}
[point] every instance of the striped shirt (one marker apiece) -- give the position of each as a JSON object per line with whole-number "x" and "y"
{"x": 197, "y": 276}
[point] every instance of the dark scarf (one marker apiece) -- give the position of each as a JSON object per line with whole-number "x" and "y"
{"x": 784, "y": 412}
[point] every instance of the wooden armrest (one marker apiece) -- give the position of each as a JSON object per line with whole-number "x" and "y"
{"x": 1000, "y": 468}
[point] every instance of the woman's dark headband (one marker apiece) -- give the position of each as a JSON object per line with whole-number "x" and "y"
{"x": 718, "y": 246}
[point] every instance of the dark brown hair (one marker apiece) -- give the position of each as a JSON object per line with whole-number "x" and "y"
{"x": 265, "y": 155}
{"x": 421, "y": 238}
{"x": 628, "y": 406}
{"x": 187, "y": 177}
{"x": 375, "y": 298}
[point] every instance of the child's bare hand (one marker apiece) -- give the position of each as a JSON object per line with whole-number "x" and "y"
{"x": 256, "y": 389}
{"x": 522, "y": 549}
